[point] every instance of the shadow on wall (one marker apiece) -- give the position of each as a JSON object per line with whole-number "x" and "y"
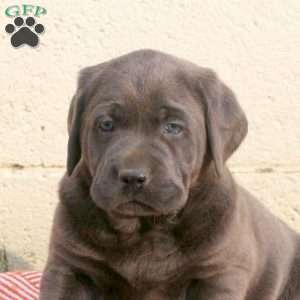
{"x": 14, "y": 260}
{"x": 3, "y": 259}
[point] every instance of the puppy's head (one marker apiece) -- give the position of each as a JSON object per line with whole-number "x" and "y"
{"x": 145, "y": 125}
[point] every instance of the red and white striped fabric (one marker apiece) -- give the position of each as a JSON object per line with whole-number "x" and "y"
{"x": 20, "y": 285}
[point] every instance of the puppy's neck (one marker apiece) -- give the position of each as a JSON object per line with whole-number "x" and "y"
{"x": 209, "y": 212}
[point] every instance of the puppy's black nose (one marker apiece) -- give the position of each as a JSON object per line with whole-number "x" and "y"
{"x": 135, "y": 178}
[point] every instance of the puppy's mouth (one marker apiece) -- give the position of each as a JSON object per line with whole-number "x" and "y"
{"x": 135, "y": 208}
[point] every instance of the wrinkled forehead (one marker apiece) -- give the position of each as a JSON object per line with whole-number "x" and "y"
{"x": 146, "y": 91}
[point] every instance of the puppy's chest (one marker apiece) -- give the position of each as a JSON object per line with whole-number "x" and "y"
{"x": 150, "y": 263}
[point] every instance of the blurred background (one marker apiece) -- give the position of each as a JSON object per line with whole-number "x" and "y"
{"x": 254, "y": 46}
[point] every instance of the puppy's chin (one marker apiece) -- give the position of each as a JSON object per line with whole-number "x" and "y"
{"x": 124, "y": 225}
{"x": 136, "y": 209}
{"x": 127, "y": 217}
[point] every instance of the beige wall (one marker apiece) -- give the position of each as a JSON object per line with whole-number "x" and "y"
{"x": 253, "y": 45}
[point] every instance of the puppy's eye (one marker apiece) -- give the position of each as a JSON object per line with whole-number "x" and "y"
{"x": 172, "y": 128}
{"x": 106, "y": 125}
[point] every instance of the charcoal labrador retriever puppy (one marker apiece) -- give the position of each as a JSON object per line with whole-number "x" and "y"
{"x": 148, "y": 209}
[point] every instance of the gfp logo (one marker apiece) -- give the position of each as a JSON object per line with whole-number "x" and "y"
{"x": 26, "y": 29}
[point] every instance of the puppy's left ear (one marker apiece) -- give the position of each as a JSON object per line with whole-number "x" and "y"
{"x": 85, "y": 87}
{"x": 226, "y": 123}
{"x": 74, "y": 122}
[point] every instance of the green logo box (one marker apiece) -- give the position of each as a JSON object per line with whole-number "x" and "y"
{"x": 25, "y": 10}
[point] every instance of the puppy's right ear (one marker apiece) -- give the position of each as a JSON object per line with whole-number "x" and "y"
{"x": 226, "y": 122}
{"x": 74, "y": 122}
